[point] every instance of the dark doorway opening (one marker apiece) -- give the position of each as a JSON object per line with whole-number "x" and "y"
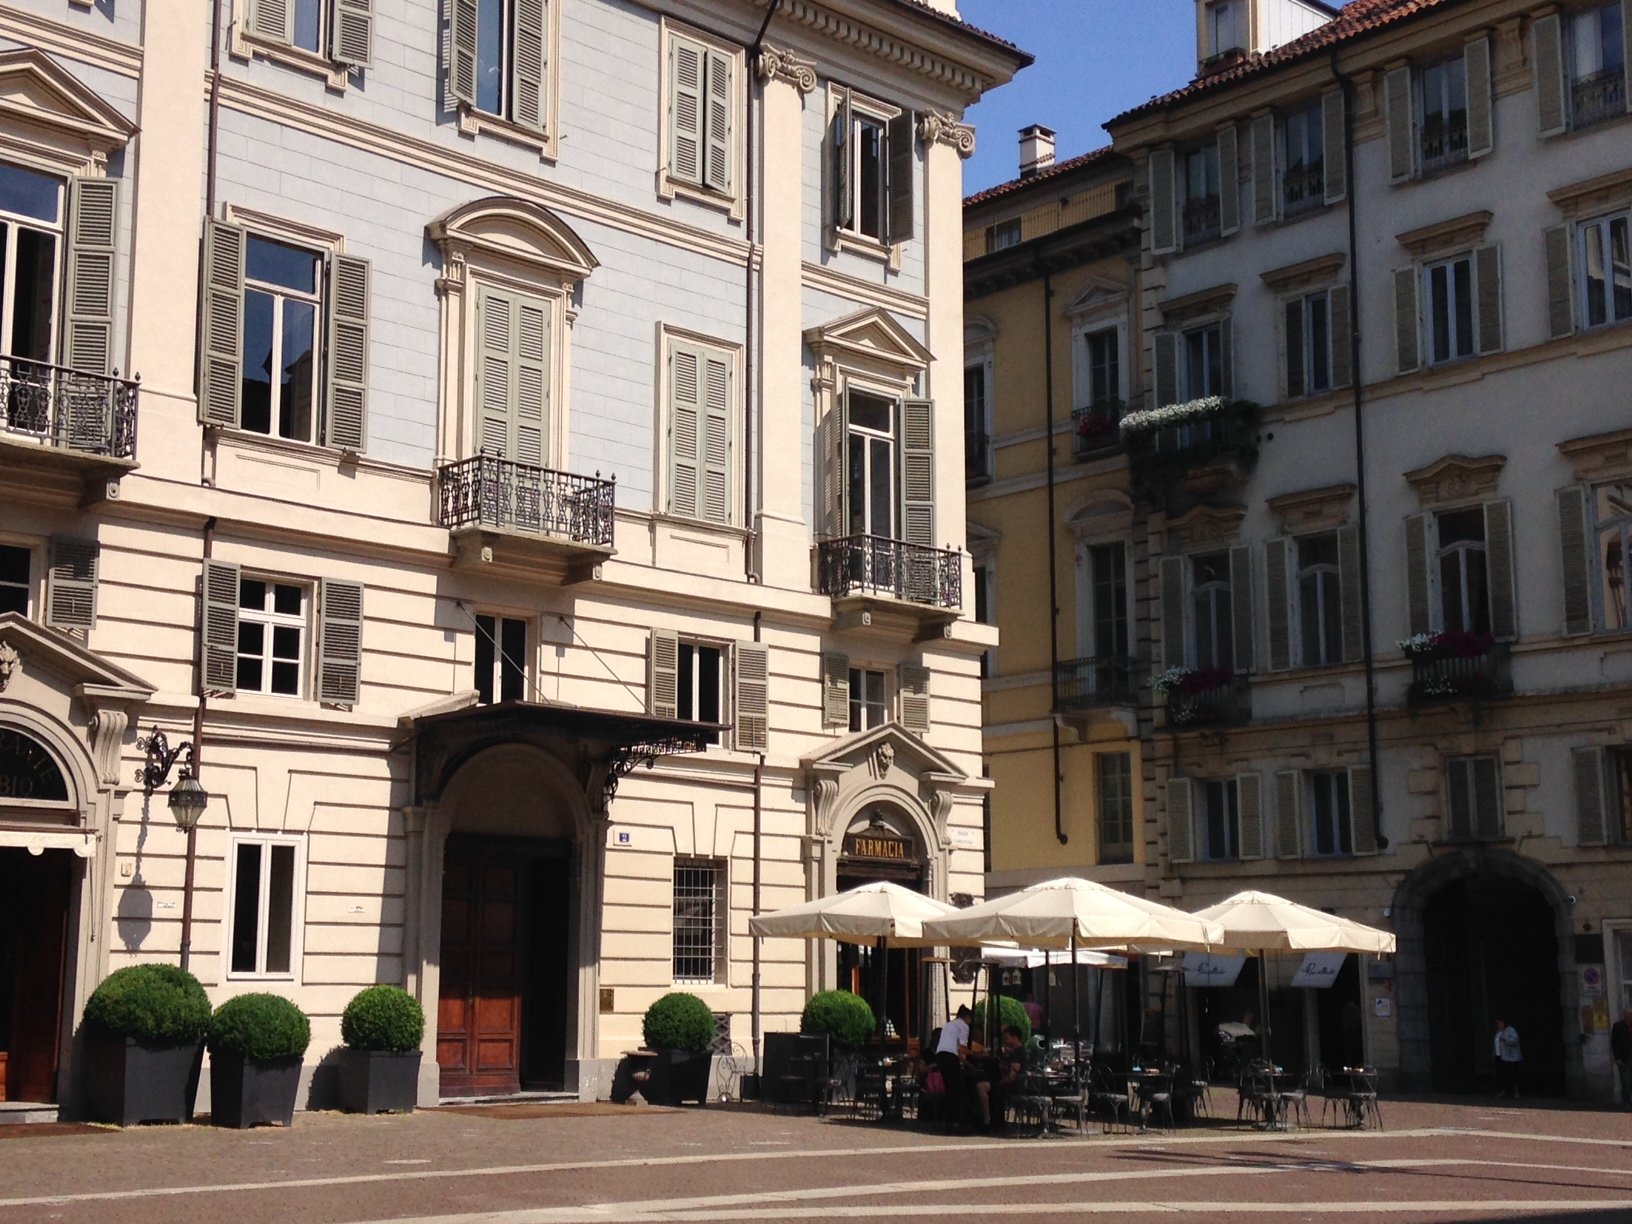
{"x": 1492, "y": 950}
{"x": 544, "y": 1002}
{"x": 1338, "y": 1019}
{"x": 35, "y": 892}
{"x": 862, "y": 969}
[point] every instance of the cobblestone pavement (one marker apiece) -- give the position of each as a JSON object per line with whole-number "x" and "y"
{"x": 1438, "y": 1160}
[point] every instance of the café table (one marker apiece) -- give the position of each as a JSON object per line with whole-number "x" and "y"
{"x": 1354, "y": 1090}
{"x": 1149, "y": 1089}
{"x": 1265, "y": 1092}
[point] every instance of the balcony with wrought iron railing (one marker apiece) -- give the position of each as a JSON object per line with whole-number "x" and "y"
{"x": 1444, "y": 144}
{"x": 1598, "y": 96}
{"x": 977, "y": 456}
{"x": 1202, "y": 218}
{"x": 1083, "y": 685}
{"x": 1303, "y": 188}
{"x": 890, "y": 588}
{"x": 1094, "y": 429}
{"x": 551, "y": 524}
{"x": 1456, "y": 667}
{"x": 1204, "y": 445}
{"x": 1199, "y": 697}
{"x": 68, "y": 418}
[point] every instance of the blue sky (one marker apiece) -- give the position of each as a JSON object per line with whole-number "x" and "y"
{"x": 1095, "y": 59}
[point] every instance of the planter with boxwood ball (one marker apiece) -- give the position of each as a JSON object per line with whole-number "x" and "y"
{"x": 256, "y": 1044}
{"x": 379, "y": 1068}
{"x": 680, "y": 1028}
{"x": 1009, "y": 1011}
{"x": 144, "y": 1032}
{"x": 846, "y": 1018}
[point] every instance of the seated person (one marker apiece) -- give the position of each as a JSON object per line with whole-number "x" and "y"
{"x": 1011, "y": 1066}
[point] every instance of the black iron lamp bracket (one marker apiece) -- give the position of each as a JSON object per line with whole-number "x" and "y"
{"x": 161, "y": 759}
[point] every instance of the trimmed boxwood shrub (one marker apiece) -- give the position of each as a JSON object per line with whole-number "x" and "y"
{"x": 846, "y": 1018}
{"x": 149, "y": 1003}
{"x": 385, "y": 1018}
{"x": 1009, "y": 1011}
{"x": 679, "y": 1021}
{"x": 259, "y": 1027}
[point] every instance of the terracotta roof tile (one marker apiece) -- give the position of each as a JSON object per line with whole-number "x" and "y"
{"x": 1054, "y": 171}
{"x": 929, "y": 10}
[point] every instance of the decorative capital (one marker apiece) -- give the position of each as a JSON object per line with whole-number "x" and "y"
{"x": 10, "y": 663}
{"x": 775, "y": 64}
{"x": 940, "y": 127}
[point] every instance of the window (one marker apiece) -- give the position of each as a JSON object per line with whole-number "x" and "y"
{"x": 1473, "y": 787}
{"x": 1104, "y": 366}
{"x": 1303, "y": 159}
{"x": 699, "y": 920}
{"x": 1619, "y": 764}
{"x": 977, "y": 441}
{"x": 1224, "y": 22}
{"x": 1606, "y": 270}
{"x": 501, "y": 659}
{"x": 1612, "y": 522}
{"x": 1221, "y": 821}
{"x": 1450, "y": 309}
{"x": 702, "y": 685}
{"x": 1331, "y": 831}
{"x": 264, "y": 896}
{"x": 871, "y": 465}
{"x": 1597, "y": 59}
{"x": 1200, "y": 203}
{"x": 271, "y": 636}
{"x": 1113, "y": 773}
{"x": 1464, "y": 588}
{"x": 1204, "y": 361}
{"x": 983, "y": 609}
{"x": 14, "y": 579}
{"x": 871, "y": 163}
{"x": 500, "y": 58}
{"x": 1320, "y": 603}
{"x": 701, "y": 432}
{"x": 31, "y": 207}
{"x": 338, "y": 30}
{"x": 869, "y": 699}
{"x": 1003, "y": 234}
{"x": 1308, "y": 345}
{"x": 1444, "y": 110}
{"x": 282, "y": 305}
{"x": 702, "y": 108}
{"x": 1109, "y": 629}
{"x": 1210, "y": 611}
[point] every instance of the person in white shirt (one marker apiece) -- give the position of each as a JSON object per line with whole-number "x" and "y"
{"x": 950, "y": 1052}
{"x": 1509, "y": 1057}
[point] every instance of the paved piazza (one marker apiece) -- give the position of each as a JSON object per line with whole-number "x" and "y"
{"x": 518, "y": 1165}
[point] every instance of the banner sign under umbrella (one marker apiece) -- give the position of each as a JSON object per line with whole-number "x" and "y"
{"x": 1318, "y": 970}
{"x": 1212, "y": 968}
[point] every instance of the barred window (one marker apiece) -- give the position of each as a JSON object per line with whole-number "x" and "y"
{"x": 699, "y": 920}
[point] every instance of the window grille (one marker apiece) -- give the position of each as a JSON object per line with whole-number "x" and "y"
{"x": 699, "y": 913}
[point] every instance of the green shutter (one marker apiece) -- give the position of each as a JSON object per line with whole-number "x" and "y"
{"x": 272, "y": 19}
{"x": 220, "y": 609}
{"x": 685, "y": 430}
{"x": 340, "y": 641}
{"x": 1552, "y": 87}
{"x": 1362, "y": 817}
{"x": 1241, "y": 606}
{"x": 751, "y": 698}
{"x": 345, "y": 417}
{"x": 1180, "y": 821}
{"x": 1499, "y": 569}
{"x": 1278, "y": 578}
{"x": 663, "y": 674}
{"x": 1288, "y": 819}
{"x": 462, "y": 51}
{"x": 1163, "y": 204}
{"x": 1165, "y": 363}
{"x": 918, "y": 472}
{"x": 1476, "y": 74}
{"x": 839, "y": 163}
{"x": 1348, "y": 592}
{"x": 1575, "y": 551}
{"x": 1405, "y": 320}
{"x": 1249, "y": 794}
{"x": 686, "y": 60}
{"x": 1262, "y": 137}
{"x": 1171, "y": 571}
{"x": 93, "y": 227}
{"x": 1229, "y": 180}
{"x": 70, "y": 584}
{"x": 717, "y": 126}
{"x": 835, "y": 690}
{"x": 351, "y": 33}
{"x": 1560, "y": 289}
{"x": 1592, "y": 818}
{"x": 221, "y": 326}
{"x": 1334, "y": 138}
{"x": 914, "y": 684}
{"x": 1339, "y": 332}
{"x": 1402, "y": 125}
{"x": 1487, "y": 289}
{"x": 900, "y": 139}
{"x": 527, "y": 66}
{"x": 1295, "y": 380}
{"x": 1418, "y": 604}
{"x": 715, "y": 448}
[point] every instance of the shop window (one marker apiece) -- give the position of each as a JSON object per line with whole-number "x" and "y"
{"x": 261, "y": 942}
{"x": 699, "y": 920}
{"x": 501, "y": 659}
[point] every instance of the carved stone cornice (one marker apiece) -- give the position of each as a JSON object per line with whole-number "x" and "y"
{"x": 1582, "y": 199}
{"x": 1215, "y": 299}
{"x": 938, "y": 127}
{"x": 1593, "y": 457}
{"x": 1306, "y": 274}
{"x": 775, "y": 64}
{"x": 1446, "y": 235}
{"x": 1313, "y": 509}
{"x": 1456, "y": 478}
{"x": 1204, "y": 526}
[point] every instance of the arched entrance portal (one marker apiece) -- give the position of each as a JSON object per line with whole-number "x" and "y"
{"x": 882, "y": 844}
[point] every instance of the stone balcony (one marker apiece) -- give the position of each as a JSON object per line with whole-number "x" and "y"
{"x": 533, "y": 521}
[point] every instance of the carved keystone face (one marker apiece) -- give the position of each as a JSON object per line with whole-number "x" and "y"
{"x": 9, "y": 662}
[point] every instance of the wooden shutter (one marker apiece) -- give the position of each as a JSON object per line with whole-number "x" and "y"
{"x": 1576, "y": 552}
{"x": 93, "y": 228}
{"x": 835, "y": 488}
{"x": 663, "y": 674}
{"x": 1264, "y": 195}
{"x": 220, "y": 607}
{"x": 1181, "y": 829}
{"x": 495, "y": 326}
{"x": 1334, "y": 143}
{"x": 1292, "y": 327}
{"x": 1560, "y": 287}
{"x": 1229, "y": 180}
{"x": 1487, "y": 798}
{"x": 1339, "y": 330}
{"x": 1249, "y": 797}
{"x": 835, "y": 690}
{"x": 532, "y": 349}
{"x": 351, "y": 34}
{"x": 1278, "y": 579}
{"x": 1163, "y": 203}
{"x": 751, "y": 696}
{"x": 1362, "y": 817}
{"x": 272, "y": 19}
{"x": 512, "y": 375}
{"x": 1226, "y": 357}
{"x": 1626, "y": 37}
{"x": 527, "y": 63}
{"x": 899, "y": 175}
{"x": 1171, "y": 571}
{"x": 685, "y": 430}
{"x": 686, "y": 105}
{"x": 715, "y": 451}
{"x": 1406, "y": 328}
{"x": 717, "y": 124}
{"x": 918, "y": 472}
{"x": 1499, "y": 569}
{"x": 70, "y": 584}
{"x": 1592, "y": 816}
{"x": 339, "y": 641}
{"x": 462, "y": 50}
{"x": 1552, "y": 85}
{"x": 1349, "y": 592}
{"x": 914, "y": 684}
{"x": 1165, "y": 360}
{"x": 1476, "y": 64}
{"x": 1241, "y": 606}
{"x": 1402, "y": 125}
{"x": 1487, "y": 288}
{"x": 221, "y": 326}
{"x": 345, "y": 418}
{"x": 1418, "y": 586}
{"x": 839, "y": 162}
{"x": 1288, "y": 832}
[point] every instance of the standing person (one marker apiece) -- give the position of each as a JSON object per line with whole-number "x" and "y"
{"x": 1508, "y": 1058}
{"x": 950, "y": 1053}
{"x": 1620, "y": 1046}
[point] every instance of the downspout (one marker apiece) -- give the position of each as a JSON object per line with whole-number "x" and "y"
{"x": 198, "y": 756}
{"x": 759, "y": 784}
{"x": 1367, "y": 654}
{"x": 215, "y": 107}
{"x": 1053, "y": 576}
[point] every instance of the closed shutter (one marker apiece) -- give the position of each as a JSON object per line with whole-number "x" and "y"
{"x": 835, "y": 690}
{"x": 1626, "y": 68}
{"x": 1288, "y": 835}
{"x": 220, "y": 605}
{"x": 717, "y": 128}
{"x": 1339, "y": 333}
{"x": 345, "y": 419}
{"x": 1277, "y": 580}
{"x": 1418, "y": 587}
{"x": 1560, "y": 288}
{"x": 1402, "y": 125}
{"x": 527, "y": 66}
{"x": 663, "y": 674}
{"x": 685, "y": 430}
{"x": 1171, "y": 571}
{"x": 1592, "y": 817}
{"x": 835, "y": 488}
{"x": 1293, "y": 335}
{"x": 1263, "y": 169}
{"x": 272, "y": 19}
{"x": 1226, "y": 358}
{"x": 1334, "y": 143}
{"x": 1165, "y": 346}
{"x": 686, "y": 86}
{"x": 1575, "y": 552}
{"x": 1348, "y": 593}
{"x": 1249, "y": 794}
{"x": 1499, "y": 569}
{"x": 93, "y": 227}
{"x": 1229, "y": 180}
{"x": 1487, "y": 286}
{"x": 1163, "y": 205}
{"x": 751, "y": 698}
{"x": 838, "y": 162}
{"x": 462, "y": 50}
{"x": 1241, "y": 606}
{"x": 716, "y": 440}
{"x": 339, "y": 641}
{"x": 512, "y": 376}
{"x": 495, "y": 326}
{"x": 1181, "y": 829}
{"x": 918, "y": 472}
{"x": 1476, "y": 62}
{"x": 899, "y": 140}
{"x": 1405, "y": 320}
{"x": 1487, "y": 798}
{"x": 1459, "y": 798}
{"x": 1551, "y": 85}
{"x": 351, "y": 40}
{"x": 221, "y": 326}
{"x": 70, "y": 584}
{"x": 1362, "y": 816}
{"x": 914, "y": 684}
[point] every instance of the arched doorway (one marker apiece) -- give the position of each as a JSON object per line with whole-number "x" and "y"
{"x": 881, "y": 843}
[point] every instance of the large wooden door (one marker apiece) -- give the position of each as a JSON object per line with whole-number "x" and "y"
{"x": 34, "y": 898}
{"x": 478, "y": 1033}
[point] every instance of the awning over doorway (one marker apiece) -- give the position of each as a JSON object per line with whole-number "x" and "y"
{"x": 37, "y": 841}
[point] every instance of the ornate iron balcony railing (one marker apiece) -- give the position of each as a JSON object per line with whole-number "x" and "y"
{"x": 1203, "y": 219}
{"x": 873, "y": 565}
{"x": 1447, "y": 675}
{"x": 1444, "y": 144}
{"x": 1598, "y": 96}
{"x": 1303, "y": 188}
{"x": 1086, "y": 684}
{"x": 1225, "y": 700}
{"x": 505, "y": 495}
{"x": 1094, "y": 428}
{"x": 75, "y": 410}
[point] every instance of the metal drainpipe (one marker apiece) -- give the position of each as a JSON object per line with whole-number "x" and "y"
{"x": 752, "y": 296}
{"x": 759, "y": 783}
{"x": 1053, "y": 576}
{"x": 1364, "y": 533}
{"x": 215, "y": 107}
{"x": 198, "y": 758}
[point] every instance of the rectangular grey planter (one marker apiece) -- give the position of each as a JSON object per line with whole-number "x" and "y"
{"x": 129, "y": 1081}
{"x": 248, "y": 1092}
{"x": 379, "y": 1081}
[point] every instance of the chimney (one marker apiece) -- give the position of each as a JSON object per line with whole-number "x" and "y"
{"x": 1036, "y": 149}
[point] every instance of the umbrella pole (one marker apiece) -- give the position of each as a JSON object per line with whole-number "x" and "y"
{"x": 1076, "y": 1005}
{"x": 1048, "y": 993}
{"x": 1099, "y": 1005}
{"x": 1263, "y": 1001}
{"x": 884, "y": 993}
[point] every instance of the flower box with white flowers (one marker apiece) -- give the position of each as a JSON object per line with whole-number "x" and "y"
{"x": 1456, "y": 665}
